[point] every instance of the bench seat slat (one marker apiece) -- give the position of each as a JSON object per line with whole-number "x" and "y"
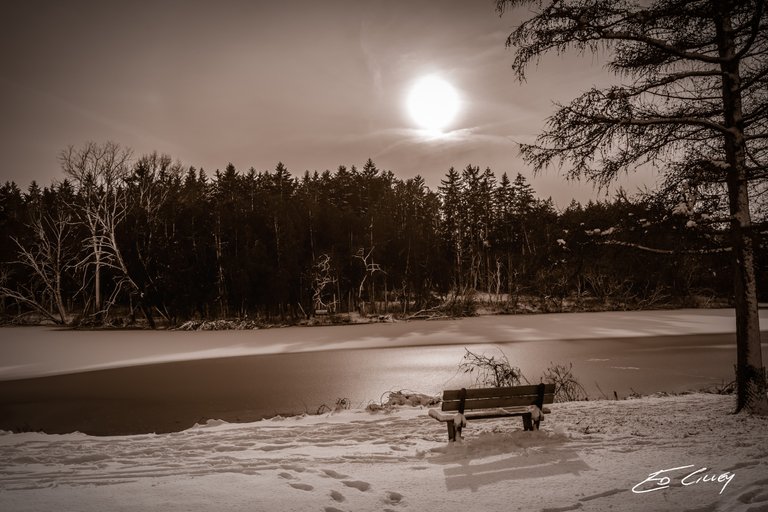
{"x": 454, "y": 394}
{"x": 489, "y": 403}
{"x": 499, "y": 412}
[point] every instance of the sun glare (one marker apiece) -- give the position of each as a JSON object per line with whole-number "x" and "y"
{"x": 433, "y": 103}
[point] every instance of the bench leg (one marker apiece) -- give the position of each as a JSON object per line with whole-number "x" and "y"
{"x": 527, "y": 423}
{"x": 451, "y": 430}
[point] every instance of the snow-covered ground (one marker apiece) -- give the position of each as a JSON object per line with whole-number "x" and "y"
{"x": 588, "y": 456}
{"x": 37, "y": 351}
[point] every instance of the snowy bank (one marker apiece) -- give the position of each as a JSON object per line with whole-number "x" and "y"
{"x": 588, "y": 456}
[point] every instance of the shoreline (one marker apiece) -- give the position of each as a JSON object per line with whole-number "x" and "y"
{"x": 485, "y": 309}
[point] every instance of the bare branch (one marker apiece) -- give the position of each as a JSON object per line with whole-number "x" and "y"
{"x": 664, "y": 251}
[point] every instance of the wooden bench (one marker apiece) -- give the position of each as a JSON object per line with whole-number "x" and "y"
{"x": 460, "y": 405}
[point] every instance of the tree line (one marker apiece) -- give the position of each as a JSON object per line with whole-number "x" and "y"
{"x": 120, "y": 239}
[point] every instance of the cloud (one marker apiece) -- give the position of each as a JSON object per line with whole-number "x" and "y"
{"x": 411, "y": 138}
{"x": 371, "y": 61}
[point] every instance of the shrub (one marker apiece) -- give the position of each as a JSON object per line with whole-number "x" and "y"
{"x": 392, "y": 399}
{"x": 567, "y": 387}
{"x": 342, "y": 404}
{"x": 491, "y": 371}
{"x": 461, "y": 304}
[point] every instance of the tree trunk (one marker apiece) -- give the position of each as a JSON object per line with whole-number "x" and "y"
{"x": 750, "y": 373}
{"x": 147, "y": 310}
{"x": 97, "y": 281}
{"x": 220, "y": 282}
{"x": 59, "y": 300}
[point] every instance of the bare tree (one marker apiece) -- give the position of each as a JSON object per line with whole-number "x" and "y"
{"x": 98, "y": 172}
{"x": 694, "y": 101}
{"x": 46, "y": 260}
{"x": 322, "y": 278}
{"x": 370, "y": 270}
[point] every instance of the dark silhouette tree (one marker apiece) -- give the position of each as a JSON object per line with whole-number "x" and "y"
{"x": 452, "y": 224}
{"x": 692, "y": 99}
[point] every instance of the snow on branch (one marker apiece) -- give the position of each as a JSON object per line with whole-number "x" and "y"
{"x": 664, "y": 251}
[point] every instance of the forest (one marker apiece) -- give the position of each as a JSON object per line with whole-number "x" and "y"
{"x": 122, "y": 241}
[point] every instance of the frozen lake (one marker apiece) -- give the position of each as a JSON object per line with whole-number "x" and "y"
{"x": 138, "y": 381}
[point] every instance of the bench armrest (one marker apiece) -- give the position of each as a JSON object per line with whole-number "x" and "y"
{"x": 442, "y": 416}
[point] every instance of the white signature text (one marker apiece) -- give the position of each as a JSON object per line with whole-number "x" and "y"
{"x": 662, "y": 479}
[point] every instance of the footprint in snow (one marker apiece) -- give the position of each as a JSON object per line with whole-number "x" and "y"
{"x": 293, "y": 467}
{"x": 357, "y": 484}
{"x": 287, "y": 476}
{"x": 333, "y": 474}
{"x": 338, "y": 497}
{"x": 332, "y": 509}
{"x": 303, "y": 487}
{"x": 393, "y": 498}
{"x": 755, "y": 495}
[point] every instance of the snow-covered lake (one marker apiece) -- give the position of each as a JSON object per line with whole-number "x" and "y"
{"x": 245, "y": 375}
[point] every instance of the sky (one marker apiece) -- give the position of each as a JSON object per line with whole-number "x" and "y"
{"x": 311, "y": 84}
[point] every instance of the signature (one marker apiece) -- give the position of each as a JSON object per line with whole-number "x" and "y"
{"x": 659, "y": 480}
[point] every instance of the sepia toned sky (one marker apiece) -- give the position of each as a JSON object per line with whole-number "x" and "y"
{"x": 313, "y": 84}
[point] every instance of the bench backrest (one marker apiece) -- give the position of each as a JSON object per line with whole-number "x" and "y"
{"x": 488, "y": 398}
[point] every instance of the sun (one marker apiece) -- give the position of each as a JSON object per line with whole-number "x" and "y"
{"x": 433, "y": 103}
